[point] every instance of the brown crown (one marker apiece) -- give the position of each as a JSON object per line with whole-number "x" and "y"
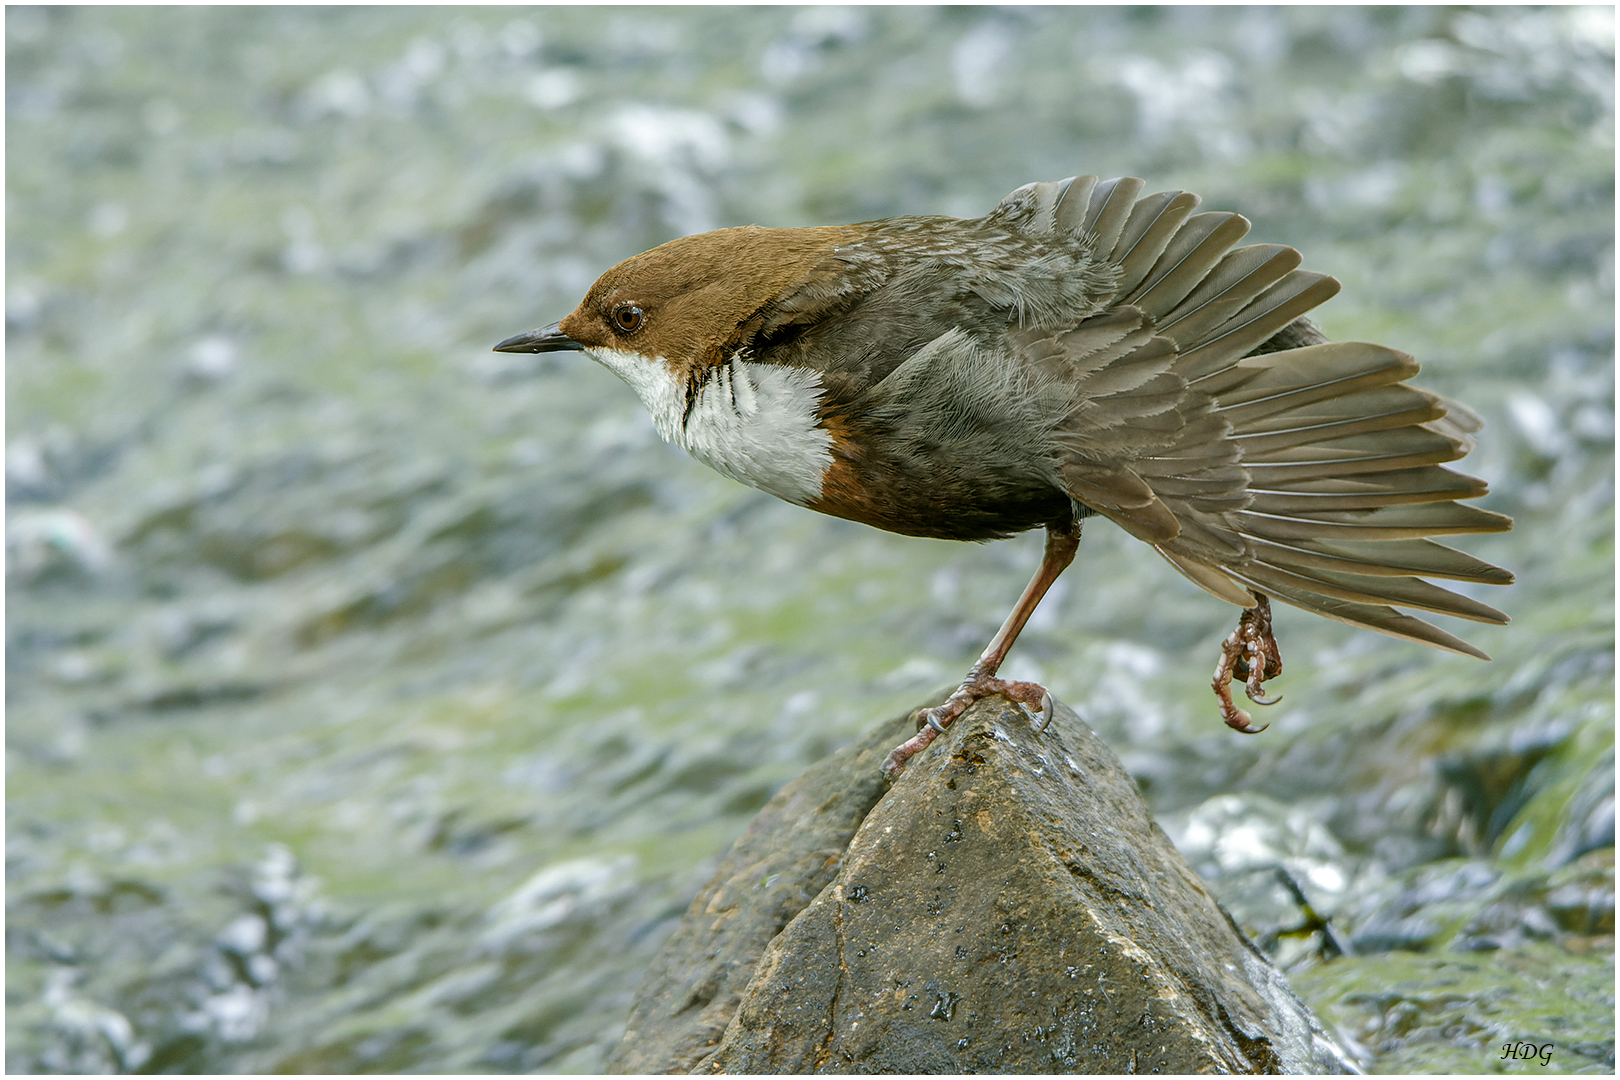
{"x": 695, "y": 293}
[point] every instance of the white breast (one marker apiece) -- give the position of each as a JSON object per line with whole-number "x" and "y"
{"x": 753, "y": 422}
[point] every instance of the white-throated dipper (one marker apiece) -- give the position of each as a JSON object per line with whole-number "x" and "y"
{"x": 1080, "y": 350}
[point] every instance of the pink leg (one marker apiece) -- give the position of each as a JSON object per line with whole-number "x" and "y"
{"x": 981, "y": 681}
{"x": 1251, "y": 653}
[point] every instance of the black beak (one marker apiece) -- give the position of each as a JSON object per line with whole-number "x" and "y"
{"x": 545, "y": 339}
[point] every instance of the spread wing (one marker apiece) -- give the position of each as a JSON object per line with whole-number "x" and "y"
{"x": 1213, "y": 422}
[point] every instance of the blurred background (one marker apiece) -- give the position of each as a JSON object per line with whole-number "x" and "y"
{"x": 377, "y": 702}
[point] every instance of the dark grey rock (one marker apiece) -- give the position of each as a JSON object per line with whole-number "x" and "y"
{"x": 789, "y": 854}
{"x": 1009, "y": 906}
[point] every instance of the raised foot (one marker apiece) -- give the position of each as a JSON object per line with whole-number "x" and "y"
{"x": 1249, "y": 652}
{"x": 1033, "y": 698}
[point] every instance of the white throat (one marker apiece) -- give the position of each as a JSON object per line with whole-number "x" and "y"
{"x": 753, "y": 422}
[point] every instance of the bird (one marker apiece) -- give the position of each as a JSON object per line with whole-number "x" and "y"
{"x": 1080, "y": 351}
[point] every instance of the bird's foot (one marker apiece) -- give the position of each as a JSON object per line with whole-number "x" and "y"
{"x": 1032, "y": 698}
{"x": 1250, "y": 652}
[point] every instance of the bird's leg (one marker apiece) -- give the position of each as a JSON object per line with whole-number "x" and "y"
{"x": 981, "y": 681}
{"x": 1250, "y": 652}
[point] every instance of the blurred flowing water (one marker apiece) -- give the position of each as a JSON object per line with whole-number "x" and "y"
{"x": 377, "y": 703}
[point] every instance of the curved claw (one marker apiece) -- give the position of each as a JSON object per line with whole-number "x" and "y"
{"x": 1037, "y": 717}
{"x": 1235, "y": 718}
{"x": 1039, "y": 721}
{"x": 1247, "y": 727}
{"x": 1258, "y": 696}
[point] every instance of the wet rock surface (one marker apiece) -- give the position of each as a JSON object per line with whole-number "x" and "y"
{"x": 788, "y": 856}
{"x": 1008, "y": 906}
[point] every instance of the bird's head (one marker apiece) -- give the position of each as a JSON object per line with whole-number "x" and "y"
{"x": 667, "y": 315}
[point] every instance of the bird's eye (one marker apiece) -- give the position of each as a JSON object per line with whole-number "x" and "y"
{"x": 627, "y": 318}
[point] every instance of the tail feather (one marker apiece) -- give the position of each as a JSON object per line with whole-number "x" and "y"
{"x": 1303, "y": 414}
{"x": 1312, "y": 474}
{"x": 1391, "y": 558}
{"x": 1389, "y": 413}
{"x": 1408, "y": 522}
{"x": 1460, "y": 416}
{"x": 1268, "y": 313}
{"x": 1431, "y": 484}
{"x": 1208, "y": 578}
{"x": 1195, "y": 250}
{"x": 1240, "y": 277}
{"x": 1109, "y": 208}
{"x": 1069, "y": 212}
{"x": 1406, "y": 591}
{"x": 1431, "y": 452}
{"x": 1375, "y": 451}
{"x": 1278, "y": 381}
{"x": 1150, "y": 228}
